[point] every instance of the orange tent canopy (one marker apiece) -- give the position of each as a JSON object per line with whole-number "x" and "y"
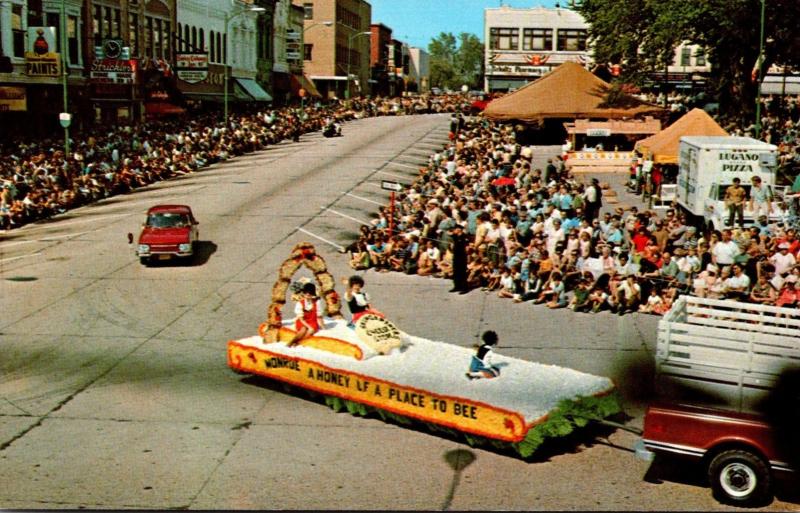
{"x": 569, "y": 91}
{"x": 662, "y": 148}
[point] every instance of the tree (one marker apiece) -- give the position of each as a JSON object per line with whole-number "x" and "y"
{"x": 642, "y": 35}
{"x": 456, "y": 61}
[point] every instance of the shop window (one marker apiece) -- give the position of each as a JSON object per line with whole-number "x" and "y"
{"x": 17, "y": 31}
{"x": 166, "y": 39}
{"x": 158, "y": 48}
{"x": 211, "y": 47}
{"x": 686, "y": 56}
{"x": 571, "y": 40}
{"x": 503, "y": 38}
{"x": 53, "y": 19}
{"x": 537, "y": 39}
{"x": 133, "y": 32}
{"x": 116, "y": 25}
{"x": 107, "y": 23}
{"x": 97, "y": 25}
{"x": 148, "y": 36}
{"x": 73, "y": 45}
{"x": 308, "y": 11}
{"x": 700, "y": 58}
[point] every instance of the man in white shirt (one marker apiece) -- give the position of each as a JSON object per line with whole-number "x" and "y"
{"x": 725, "y": 251}
{"x": 737, "y": 286}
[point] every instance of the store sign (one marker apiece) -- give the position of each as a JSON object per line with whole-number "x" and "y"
{"x": 113, "y": 71}
{"x": 598, "y": 132}
{"x": 46, "y": 65}
{"x": 518, "y": 70}
{"x": 191, "y": 67}
{"x": 41, "y": 61}
{"x": 13, "y": 99}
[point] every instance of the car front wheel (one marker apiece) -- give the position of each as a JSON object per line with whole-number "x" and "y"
{"x": 144, "y": 260}
{"x": 740, "y": 478}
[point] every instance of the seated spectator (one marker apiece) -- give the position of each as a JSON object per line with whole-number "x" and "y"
{"x": 580, "y": 298}
{"x": 763, "y": 292}
{"x": 428, "y": 259}
{"x": 628, "y": 296}
{"x": 737, "y": 286}
{"x": 789, "y": 296}
{"x": 653, "y": 303}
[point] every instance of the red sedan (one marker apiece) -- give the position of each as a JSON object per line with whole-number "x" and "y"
{"x": 169, "y": 231}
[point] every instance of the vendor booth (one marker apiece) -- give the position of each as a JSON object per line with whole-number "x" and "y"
{"x": 567, "y": 93}
{"x": 605, "y": 146}
{"x": 657, "y": 155}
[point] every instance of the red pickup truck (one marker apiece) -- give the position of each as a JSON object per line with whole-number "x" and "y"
{"x": 738, "y": 450}
{"x": 727, "y": 375}
{"x": 169, "y": 231}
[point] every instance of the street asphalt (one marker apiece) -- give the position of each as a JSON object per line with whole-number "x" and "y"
{"x": 114, "y": 389}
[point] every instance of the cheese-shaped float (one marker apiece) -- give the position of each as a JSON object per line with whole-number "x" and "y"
{"x": 375, "y": 368}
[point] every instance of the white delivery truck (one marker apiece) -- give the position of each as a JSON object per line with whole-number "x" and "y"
{"x": 708, "y": 165}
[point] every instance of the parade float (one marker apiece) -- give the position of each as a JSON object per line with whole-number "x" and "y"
{"x": 371, "y": 367}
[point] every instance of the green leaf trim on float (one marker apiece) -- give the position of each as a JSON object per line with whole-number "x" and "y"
{"x": 563, "y": 420}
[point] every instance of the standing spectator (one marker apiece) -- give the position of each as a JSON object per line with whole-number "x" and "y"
{"x": 594, "y": 200}
{"x": 760, "y": 197}
{"x": 734, "y": 200}
{"x": 459, "y": 249}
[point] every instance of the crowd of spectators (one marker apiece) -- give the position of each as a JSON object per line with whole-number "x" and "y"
{"x": 38, "y": 181}
{"x": 540, "y": 236}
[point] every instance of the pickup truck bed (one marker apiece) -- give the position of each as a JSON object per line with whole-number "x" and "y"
{"x": 727, "y": 375}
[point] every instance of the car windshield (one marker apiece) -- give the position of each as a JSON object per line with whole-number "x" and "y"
{"x": 167, "y": 220}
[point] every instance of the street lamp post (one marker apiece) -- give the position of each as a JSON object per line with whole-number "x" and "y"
{"x": 65, "y": 119}
{"x": 758, "y": 65}
{"x": 303, "y": 43}
{"x": 349, "y": 45}
{"x": 228, "y": 18}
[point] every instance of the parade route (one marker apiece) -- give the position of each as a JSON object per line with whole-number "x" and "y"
{"x": 114, "y": 388}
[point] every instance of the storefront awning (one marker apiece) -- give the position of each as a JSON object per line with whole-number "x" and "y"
{"x": 302, "y": 82}
{"x": 162, "y": 109}
{"x": 206, "y": 97}
{"x": 254, "y": 90}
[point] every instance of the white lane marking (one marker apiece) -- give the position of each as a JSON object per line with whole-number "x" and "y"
{"x": 23, "y": 256}
{"x": 393, "y": 174}
{"x": 363, "y": 199}
{"x": 320, "y": 238}
{"x": 404, "y": 165}
{"x": 346, "y": 216}
{"x": 46, "y": 239}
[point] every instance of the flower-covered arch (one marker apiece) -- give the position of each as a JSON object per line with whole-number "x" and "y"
{"x": 303, "y": 254}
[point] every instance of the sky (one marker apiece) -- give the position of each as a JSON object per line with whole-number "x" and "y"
{"x": 416, "y": 22}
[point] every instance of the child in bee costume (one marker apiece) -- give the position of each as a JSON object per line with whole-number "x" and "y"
{"x": 480, "y": 366}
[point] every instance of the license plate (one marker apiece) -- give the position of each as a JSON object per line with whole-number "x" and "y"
{"x": 164, "y": 257}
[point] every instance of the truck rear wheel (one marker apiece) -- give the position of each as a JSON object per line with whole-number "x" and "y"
{"x": 739, "y": 478}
